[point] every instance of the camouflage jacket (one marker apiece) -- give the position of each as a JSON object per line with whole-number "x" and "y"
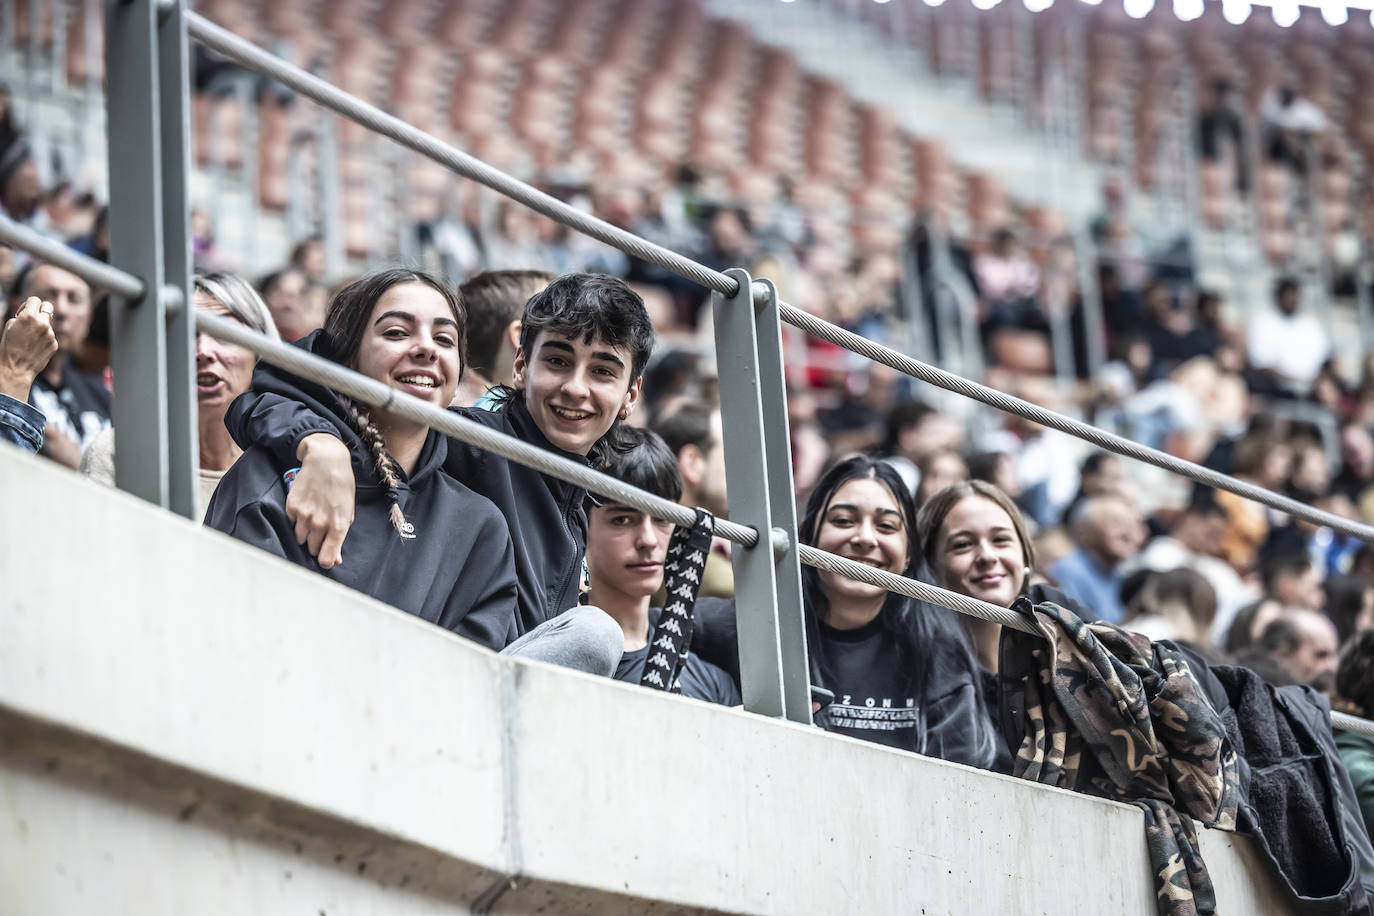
{"x": 1094, "y": 708}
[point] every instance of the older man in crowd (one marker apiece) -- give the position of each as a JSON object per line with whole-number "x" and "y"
{"x": 1305, "y": 643}
{"x": 1107, "y": 531}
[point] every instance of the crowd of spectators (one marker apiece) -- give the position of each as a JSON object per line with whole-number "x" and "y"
{"x": 1262, "y": 401}
{"x": 888, "y": 474}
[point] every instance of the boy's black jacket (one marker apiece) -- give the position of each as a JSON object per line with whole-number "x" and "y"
{"x": 546, "y": 517}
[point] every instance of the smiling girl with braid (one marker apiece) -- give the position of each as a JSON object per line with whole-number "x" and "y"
{"x": 423, "y": 542}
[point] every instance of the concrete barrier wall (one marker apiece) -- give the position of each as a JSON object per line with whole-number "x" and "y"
{"x": 189, "y": 725}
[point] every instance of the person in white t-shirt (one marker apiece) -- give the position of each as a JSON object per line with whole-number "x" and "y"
{"x": 1288, "y": 346}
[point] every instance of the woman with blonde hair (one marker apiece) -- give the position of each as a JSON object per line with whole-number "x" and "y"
{"x": 223, "y": 372}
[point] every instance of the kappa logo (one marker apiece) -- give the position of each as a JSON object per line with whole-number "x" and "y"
{"x": 407, "y": 530}
{"x": 697, "y": 557}
{"x": 677, "y": 609}
{"x": 683, "y": 591}
{"x": 660, "y": 660}
{"x": 663, "y": 642}
{"x": 672, "y": 626}
{"x": 691, "y": 576}
{"x": 653, "y": 677}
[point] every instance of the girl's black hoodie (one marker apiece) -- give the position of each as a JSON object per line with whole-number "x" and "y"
{"x": 546, "y": 517}
{"x": 454, "y": 566}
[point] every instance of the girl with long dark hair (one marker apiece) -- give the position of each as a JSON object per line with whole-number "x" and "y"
{"x": 900, "y": 669}
{"x": 421, "y": 541}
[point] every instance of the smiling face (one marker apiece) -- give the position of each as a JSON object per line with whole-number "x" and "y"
{"x": 863, "y": 523}
{"x": 575, "y": 389}
{"x": 625, "y": 551}
{"x": 223, "y": 370}
{"x": 978, "y": 552}
{"x": 410, "y": 342}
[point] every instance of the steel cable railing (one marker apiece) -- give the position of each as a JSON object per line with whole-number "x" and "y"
{"x": 380, "y": 396}
{"x": 377, "y": 395}
{"x": 349, "y": 106}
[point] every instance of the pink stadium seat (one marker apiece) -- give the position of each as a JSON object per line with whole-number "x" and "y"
{"x": 274, "y": 147}
{"x": 85, "y": 64}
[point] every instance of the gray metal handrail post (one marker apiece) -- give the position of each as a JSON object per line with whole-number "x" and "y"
{"x": 152, "y": 339}
{"x": 761, "y": 583}
{"x": 777, "y": 437}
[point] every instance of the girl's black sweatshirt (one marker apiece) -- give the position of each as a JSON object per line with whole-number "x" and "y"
{"x": 546, "y": 517}
{"x": 453, "y": 565}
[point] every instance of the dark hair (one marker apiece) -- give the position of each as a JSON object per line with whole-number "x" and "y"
{"x": 1251, "y": 451}
{"x": 983, "y": 465}
{"x": 642, "y": 460}
{"x": 1203, "y": 503}
{"x": 591, "y": 306}
{"x": 1265, "y": 665}
{"x": 1355, "y": 674}
{"x": 1281, "y": 636}
{"x": 900, "y": 417}
{"x": 1344, "y": 602}
{"x": 495, "y": 298}
{"x": 1136, "y": 591}
{"x": 913, "y": 627}
{"x": 1188, "y": 589}
{"x": 1094, "y": 462}
{"x": 268, "y": 283}
{"x": 345, "y": 323}
{"x": 1288, "y": 564}
{"x": 298, "y": 251}
{"x": 1238, "y": 635}
{"x": 690, "y": 424}
{"x": 1364, "y": 556}
{"x": 21, "y": 280}
{"x": 1002, "y": 237}
{"x": 1285, "y": 285}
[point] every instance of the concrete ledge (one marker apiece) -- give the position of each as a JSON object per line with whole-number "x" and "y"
{"x": 187, "y": 724}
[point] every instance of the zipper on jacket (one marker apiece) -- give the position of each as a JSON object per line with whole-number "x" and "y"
{"x": 572, "y": 574}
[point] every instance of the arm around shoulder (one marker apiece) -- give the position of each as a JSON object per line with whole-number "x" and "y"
{"x": 248, "y": 505}
{"x": 274, "y": 422}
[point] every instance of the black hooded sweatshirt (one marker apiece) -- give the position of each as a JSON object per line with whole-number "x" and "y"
{"x": 546, "y": 517}
{"x": 453, "y": 567}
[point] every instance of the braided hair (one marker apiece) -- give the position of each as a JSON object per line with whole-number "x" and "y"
{"x": 344, "y": 325}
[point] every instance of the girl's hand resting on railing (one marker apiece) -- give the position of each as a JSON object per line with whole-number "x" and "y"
{"x": 320, "y": 503}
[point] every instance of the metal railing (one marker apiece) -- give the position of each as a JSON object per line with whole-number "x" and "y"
{"x": 152, "y": 337}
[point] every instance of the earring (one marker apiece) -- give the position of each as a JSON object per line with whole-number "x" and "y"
{"x": 624, "y": 413}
